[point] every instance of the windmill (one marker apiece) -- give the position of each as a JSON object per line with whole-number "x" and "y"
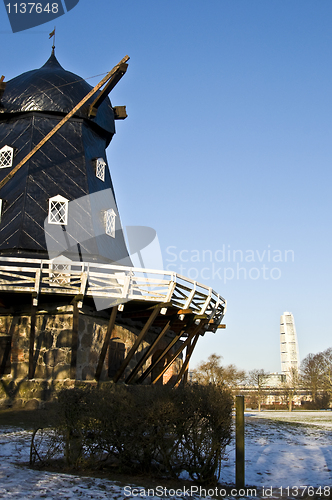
{"x": 81, "y": 310}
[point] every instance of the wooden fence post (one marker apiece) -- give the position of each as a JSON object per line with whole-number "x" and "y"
{"x": 239, "y": 439}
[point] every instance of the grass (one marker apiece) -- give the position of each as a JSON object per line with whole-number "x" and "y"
{"x": 28, "y": 419}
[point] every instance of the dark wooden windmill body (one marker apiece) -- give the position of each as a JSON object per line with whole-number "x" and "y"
{"x": 72, "y": 165}
{"x": 72, "y": 306}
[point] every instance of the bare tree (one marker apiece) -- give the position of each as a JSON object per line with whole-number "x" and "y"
{"x": 316, "y": 375}
{"x": 291, "y": 386}
{"x": 212, "y": 372}
{"x": 327, "y": 370}
{"x": 311, "y": 374}
{"x": 256, "y": 378}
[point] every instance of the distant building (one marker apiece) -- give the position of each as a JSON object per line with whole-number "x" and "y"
{"x": 289, "y": 349}
{"x": 272, "y": 380}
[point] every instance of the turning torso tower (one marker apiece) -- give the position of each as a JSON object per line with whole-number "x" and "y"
{"x": 289, "y": 349}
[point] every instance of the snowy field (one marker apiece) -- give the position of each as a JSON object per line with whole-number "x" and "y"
{"x": 286, "y": 449}
{"x": 283, "y": 450}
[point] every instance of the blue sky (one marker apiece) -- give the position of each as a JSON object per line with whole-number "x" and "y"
{"x": 227, "y": 146}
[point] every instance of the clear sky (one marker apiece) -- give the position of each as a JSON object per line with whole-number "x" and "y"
{"x": 227, "y": 147}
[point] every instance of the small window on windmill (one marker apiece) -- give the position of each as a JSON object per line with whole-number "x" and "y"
{"x": 61, "y": 269}
{"x": 58, "y": 210}
{"x": 100, "y": 169}
{"x": 110, "y": 222}
{"x": 6, "y": 156}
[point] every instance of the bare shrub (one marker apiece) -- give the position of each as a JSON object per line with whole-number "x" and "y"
{"x": 155, "y": 430}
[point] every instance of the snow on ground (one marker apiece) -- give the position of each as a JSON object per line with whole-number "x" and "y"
{"x": 282, "y": 450}
{"x": 321, "y": 418}
{"x": 18, "y": 481}
{"x": 285, "y": 449}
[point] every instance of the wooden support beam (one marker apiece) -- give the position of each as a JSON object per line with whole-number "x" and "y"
{"x": 150, "y": 350}
{"x": 164, "y": 353}
{"x": 185, "y": 366}
{"x": 80, "y": 296}
{"x": 62, "y": 122}
{"x": 179, "y": 350}
{"x": 139, "y": 339}
{"x": 93, "y": 108}
{"x": 37, "y": 287}
{"x": 162, "y": 356}
{"x": 184, "y": 311}
{"x": 120, "y": 112}
{"x": 74, "y": 341}
{"x": 31, "y": 371}
{"x": 214, "y": 327}
{"x": 185, "y": 376}
{"x": 103, "y": 351}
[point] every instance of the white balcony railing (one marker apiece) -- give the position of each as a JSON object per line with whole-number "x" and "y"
{"x": 109, "y": 281}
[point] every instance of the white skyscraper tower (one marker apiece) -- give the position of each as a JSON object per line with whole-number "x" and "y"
{"x": 289, "y": 348}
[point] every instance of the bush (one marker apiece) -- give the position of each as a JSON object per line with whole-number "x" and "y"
{"x": 154, "y": 430}
{"x": 321, "y": 402}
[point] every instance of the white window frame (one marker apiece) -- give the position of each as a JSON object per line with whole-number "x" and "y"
{"x": 6, "y": 157}
{"x": 100, "y": 169}
{"x": 61, "y": 271}
{"x": 58, "y": 210}
{"x": 109, "y": 220}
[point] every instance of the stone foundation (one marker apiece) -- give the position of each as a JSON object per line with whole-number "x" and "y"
{"x": 55, "y": 346}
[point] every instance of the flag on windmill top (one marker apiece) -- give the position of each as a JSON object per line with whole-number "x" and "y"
{"x": 52, "y": 34}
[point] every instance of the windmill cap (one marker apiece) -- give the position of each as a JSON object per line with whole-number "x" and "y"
{"x": 52, "y": 89}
